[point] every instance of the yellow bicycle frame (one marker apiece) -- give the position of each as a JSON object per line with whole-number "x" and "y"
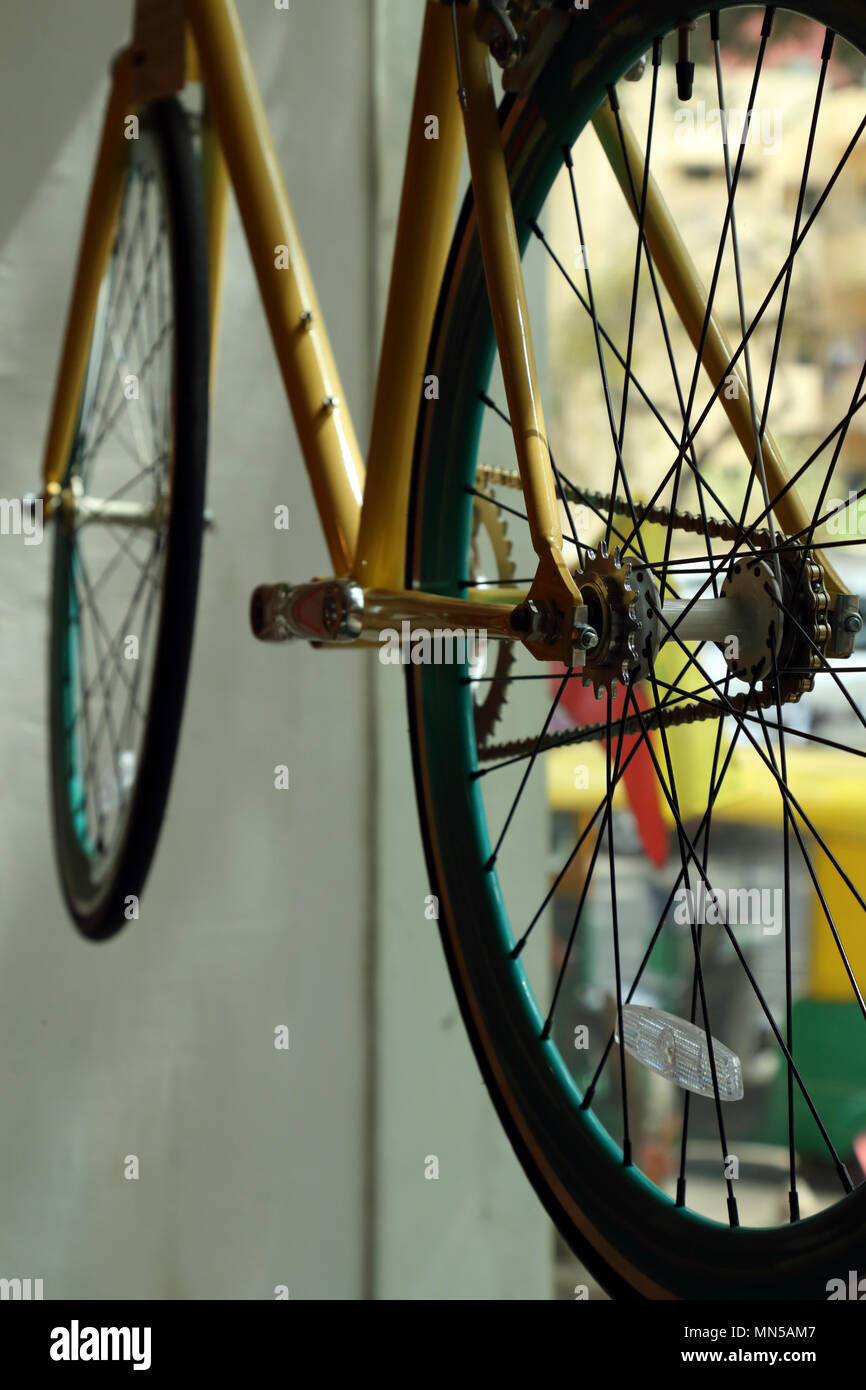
{"x": 364, "y": 518}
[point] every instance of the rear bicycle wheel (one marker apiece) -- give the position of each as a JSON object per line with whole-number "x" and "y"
{"x": 649, "y": 463}
{"x": 128, "y": 541}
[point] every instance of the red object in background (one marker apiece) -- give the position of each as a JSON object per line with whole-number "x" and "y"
{"x": 579, "y": 704}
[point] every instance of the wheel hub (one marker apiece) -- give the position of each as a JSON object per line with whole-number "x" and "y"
{"x": 758, "y": 625}
{"x": 623, "y": 605}
{"x": 752, "y": 590}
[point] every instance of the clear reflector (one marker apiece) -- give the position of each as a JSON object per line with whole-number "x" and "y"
{"x": 116, "y": 781}
{"x": 678, "y": 1051}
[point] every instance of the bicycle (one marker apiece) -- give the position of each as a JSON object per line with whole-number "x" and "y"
{"x": 613, "y": 607}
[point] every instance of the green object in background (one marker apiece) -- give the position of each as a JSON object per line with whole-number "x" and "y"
{"x": 828, "y": 1037}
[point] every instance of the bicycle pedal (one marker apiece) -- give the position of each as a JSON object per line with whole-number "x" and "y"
{"x": 329, "y": 610}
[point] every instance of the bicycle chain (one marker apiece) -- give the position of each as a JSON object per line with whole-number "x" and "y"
{"x": 790, "y": 688}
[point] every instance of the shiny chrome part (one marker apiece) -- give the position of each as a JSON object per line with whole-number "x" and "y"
{"x": 324, "y": 611}
{"x": 493, "y": 26}
{"x": 536, "y": 620}
{"x": 643, "y": 636}
{"x": 584, "y": 637}
{"x": 704, "y": 620}
{"x": 540, "y": 621}
{"x": 802, "y": 655}
{"x": 540, "y": 33}
{"x": 636, "y": 72}
{"x": 752, "y": 589}
{"x": 147, "y": 516}
{"x": 845, "y": 625}
{"x": 622, "y": 612}
{"x": 747, "y": 609}
{"x": 76, "y": 508}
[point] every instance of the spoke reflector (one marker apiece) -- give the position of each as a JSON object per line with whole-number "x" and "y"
{"x": 678, "y": 1051}
{"x": 117, "y": 781}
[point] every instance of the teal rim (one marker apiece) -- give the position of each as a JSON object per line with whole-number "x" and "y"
{"x": 446, "y": 714}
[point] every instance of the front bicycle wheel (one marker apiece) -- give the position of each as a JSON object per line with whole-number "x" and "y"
{"x": 129, "y": 532}
{"x": 705, "y": 900}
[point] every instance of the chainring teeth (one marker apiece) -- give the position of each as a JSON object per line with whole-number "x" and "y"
{"x": 618, "y": 657}
{"x": 488, "y": 712}
{"x": 791, "y": 688}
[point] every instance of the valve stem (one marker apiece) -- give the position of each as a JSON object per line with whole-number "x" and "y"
{"x": 685, "y": 62}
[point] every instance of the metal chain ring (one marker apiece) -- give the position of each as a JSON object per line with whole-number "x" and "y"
{"x": 813, "y": 619}
{"x": 486, "y": 516}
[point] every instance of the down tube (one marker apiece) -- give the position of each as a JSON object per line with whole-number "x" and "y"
{"x": 300, "y": 340}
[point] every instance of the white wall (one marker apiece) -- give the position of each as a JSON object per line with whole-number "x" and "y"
{"x": 262, "y": 905}
{"x": 161, "y": 1042}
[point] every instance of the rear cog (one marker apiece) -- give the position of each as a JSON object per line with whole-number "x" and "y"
{"x": 623, "y": 601}
{"x": 804, "y": 642}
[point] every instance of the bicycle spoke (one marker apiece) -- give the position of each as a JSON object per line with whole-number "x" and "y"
{"x": 720, "y": 727}
{"x": 841, "y": 1170}
{"x": 619, "y": 474}
{"x": 525, "y": 778}
{"x": 758, "y": 468}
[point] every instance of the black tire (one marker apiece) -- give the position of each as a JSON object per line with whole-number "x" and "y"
{"x": 98, "y": 898}
{"x": 632, "y": 1251}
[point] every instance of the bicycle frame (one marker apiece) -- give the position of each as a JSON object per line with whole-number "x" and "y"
{"x": 363, "y": 517}
{"x": 363, "y": 514}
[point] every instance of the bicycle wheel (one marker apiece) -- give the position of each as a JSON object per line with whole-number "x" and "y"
{"x": 127, "y": 549}
{"x": 662, "y": 1189}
